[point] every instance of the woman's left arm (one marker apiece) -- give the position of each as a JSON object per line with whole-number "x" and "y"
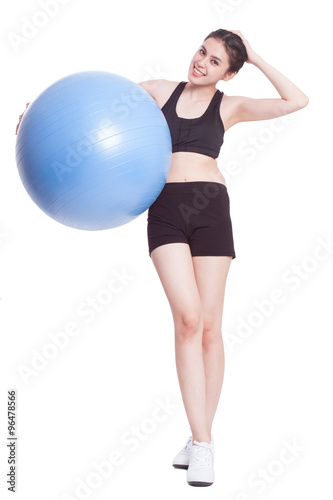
{"x": 292, "y": 98}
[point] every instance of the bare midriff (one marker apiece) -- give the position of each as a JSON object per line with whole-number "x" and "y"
{"x": 188, "y": 167}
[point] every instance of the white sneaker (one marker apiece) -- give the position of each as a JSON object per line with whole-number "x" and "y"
{"x": 201, "y": 466}
{"x": 182, "y": 460}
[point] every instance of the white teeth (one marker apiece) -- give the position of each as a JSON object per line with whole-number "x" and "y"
{"x": 198, "y": 71}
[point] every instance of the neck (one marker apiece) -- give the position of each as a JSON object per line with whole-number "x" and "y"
{"x": 199, "y": 92}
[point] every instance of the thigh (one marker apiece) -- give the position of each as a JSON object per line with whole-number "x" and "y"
{"x": 173, "y": 263}
{"x": 210, "y": 225}
{"x": 211, "y": 276}
{"x": 164, "y": 222}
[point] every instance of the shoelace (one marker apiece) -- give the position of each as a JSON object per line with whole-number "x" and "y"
{"x": 188, "y": 445}
{"x": 202, "y": 454}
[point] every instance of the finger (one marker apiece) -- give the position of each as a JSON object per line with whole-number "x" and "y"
{"x": 239, "y": 33}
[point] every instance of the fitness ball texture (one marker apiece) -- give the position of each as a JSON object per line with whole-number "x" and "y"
{"x": 93, "y": 150}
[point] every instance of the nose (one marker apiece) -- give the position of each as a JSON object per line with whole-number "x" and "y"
{"x": 201, "y": 62}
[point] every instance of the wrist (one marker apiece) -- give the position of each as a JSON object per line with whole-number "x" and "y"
{"x": 255, "y": 59}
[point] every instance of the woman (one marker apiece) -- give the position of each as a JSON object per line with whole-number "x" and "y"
{"x": 189, "y": 228}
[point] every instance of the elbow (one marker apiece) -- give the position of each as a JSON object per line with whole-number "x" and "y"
{"x": 298, "y": 104}
{"x": 295, "y": 104}
{"x": 303, "y": 102}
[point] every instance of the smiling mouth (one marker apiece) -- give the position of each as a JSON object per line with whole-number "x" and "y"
{"x": 198, "y": 71}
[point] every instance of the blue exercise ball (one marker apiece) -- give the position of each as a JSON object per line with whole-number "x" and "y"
{"x": 93, "y": 150}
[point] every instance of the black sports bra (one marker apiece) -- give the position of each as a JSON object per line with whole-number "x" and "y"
{"x": 200, "y": 135}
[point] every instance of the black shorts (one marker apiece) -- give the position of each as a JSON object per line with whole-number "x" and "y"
{"x": 196, "y": 213}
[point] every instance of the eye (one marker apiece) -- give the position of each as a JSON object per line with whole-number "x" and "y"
{"x": 213, "y": 60}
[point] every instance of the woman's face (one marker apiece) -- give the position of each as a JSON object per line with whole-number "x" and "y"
{"x": 210, "y": 63}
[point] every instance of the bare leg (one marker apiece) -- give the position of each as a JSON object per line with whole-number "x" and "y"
{"x": 211, "y": 275}
{"x": 173, "y": 263}
{"x": 214, "y": 369}
{"x": 191, "y": 376}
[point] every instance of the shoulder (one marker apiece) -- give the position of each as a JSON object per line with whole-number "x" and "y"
{"x": 160, "y": 90}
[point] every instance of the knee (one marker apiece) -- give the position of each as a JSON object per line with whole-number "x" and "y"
{"x": 211, "y": 336}
{"x": 189, "y": 326}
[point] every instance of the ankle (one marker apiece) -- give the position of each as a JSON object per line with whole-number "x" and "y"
{"x": 201, "y": 437}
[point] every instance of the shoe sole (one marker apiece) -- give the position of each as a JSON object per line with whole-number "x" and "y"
{"x": 180, "y": 466}
{"x": 198, "y": 483}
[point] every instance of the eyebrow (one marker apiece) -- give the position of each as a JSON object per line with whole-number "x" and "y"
{"x": 212, "y": 56}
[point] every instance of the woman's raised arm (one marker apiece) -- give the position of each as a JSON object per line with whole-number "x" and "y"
{"x": 292, "y": 98}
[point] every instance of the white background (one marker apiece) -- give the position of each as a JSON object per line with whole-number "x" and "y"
{"x": 109, "y": 378}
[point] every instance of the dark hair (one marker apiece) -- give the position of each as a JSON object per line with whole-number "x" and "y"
{"x": 234, "y": 46}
